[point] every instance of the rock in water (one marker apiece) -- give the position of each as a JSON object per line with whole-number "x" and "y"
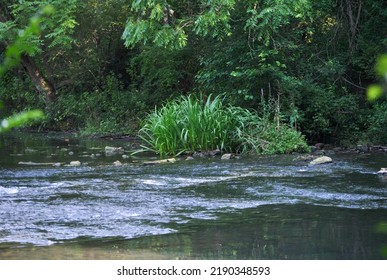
{"x": 226, "y": 156}
{"x": 383, "y": 172}
{"x": 117, "y": 163}
{"x": 111, "y": 151}
{"x": 321, "y": 160}
{"x": 75, "y": 163}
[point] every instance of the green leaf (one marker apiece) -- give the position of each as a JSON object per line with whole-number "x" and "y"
{"x": 235, "y": 74}
{"x": 381, "y": 65}
{"x": 48, "y": 10}
{"x": 20, "y": 119}
{"x": 374, "y": 92}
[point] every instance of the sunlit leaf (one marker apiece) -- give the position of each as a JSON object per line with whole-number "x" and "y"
{"x": 20, "y": 119}
{"x": 374, "y": 92}
{"x": 381, "y": 65}
{"x": 48, "y": 10}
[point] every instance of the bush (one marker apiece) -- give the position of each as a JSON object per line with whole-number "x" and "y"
{"x": 377, "y": 124}
{"x": 193, "y": 124}
{"x": 18, "y": 94}
{"x": 107, "y": 110}
{"x": 272, "y": 139}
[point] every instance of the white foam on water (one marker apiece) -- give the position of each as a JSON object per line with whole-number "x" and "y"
{"x": 11, "y": 190}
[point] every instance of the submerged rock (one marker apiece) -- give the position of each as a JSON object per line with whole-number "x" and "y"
{"x": 111, "y": 151}
{"x": 321, "y": 160}
{"x": 304, "y": 158}
{"x": 30, "y": 151}
{"x": 206, "y": 154}
{"x": 200, "y": 155}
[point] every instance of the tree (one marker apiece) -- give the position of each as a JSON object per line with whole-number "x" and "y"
{"x": 168, "y": 23}
{"x": 46, "y": 31}
{"x": 14, "y": 53}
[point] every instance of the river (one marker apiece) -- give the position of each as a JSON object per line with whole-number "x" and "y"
{"x": 253, "y": 207}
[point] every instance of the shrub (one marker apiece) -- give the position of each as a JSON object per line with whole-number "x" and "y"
{"x": 377, "y": 124}
{"x": 188, "y": 124}
{"x": 192, "y": 124}
{"x": 111, "y": 109}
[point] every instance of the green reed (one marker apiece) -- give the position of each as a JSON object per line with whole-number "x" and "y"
{"x": 189, "y": 124}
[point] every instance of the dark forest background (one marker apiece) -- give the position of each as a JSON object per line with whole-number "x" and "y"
{"x": 99, "y": 67}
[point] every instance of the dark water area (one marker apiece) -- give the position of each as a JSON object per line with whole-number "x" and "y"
{"x": 254, "y": 207}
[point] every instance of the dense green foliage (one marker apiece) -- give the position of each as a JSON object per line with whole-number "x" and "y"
{"x": 12, "y": 58}
{"x": 100, "y": 66}
{"x": 191, "y": 124}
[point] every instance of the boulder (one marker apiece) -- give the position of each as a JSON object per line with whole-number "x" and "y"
{"x": 321, "y": 160}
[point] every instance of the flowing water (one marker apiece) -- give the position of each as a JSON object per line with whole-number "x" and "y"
{"x": 254, "y": 207}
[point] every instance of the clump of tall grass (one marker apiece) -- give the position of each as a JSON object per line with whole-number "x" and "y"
{"x": 189, "y": 124}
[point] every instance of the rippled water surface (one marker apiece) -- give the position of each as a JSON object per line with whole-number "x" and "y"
{"x": 271, "y": 207}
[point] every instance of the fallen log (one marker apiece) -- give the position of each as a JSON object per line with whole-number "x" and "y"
{"x": 161, "y": 161}
{"x": 31, "y": 163}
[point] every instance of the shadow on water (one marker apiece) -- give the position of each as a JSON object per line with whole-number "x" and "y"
{"x": 253, "y": 208}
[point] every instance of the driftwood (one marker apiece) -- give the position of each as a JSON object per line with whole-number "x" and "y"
{"x": 31, "y": 163}
{"x": 154, "y": 162}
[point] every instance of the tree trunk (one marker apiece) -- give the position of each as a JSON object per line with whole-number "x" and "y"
{"x": 353, "y": 10}
{"x": 43, "y": 86}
